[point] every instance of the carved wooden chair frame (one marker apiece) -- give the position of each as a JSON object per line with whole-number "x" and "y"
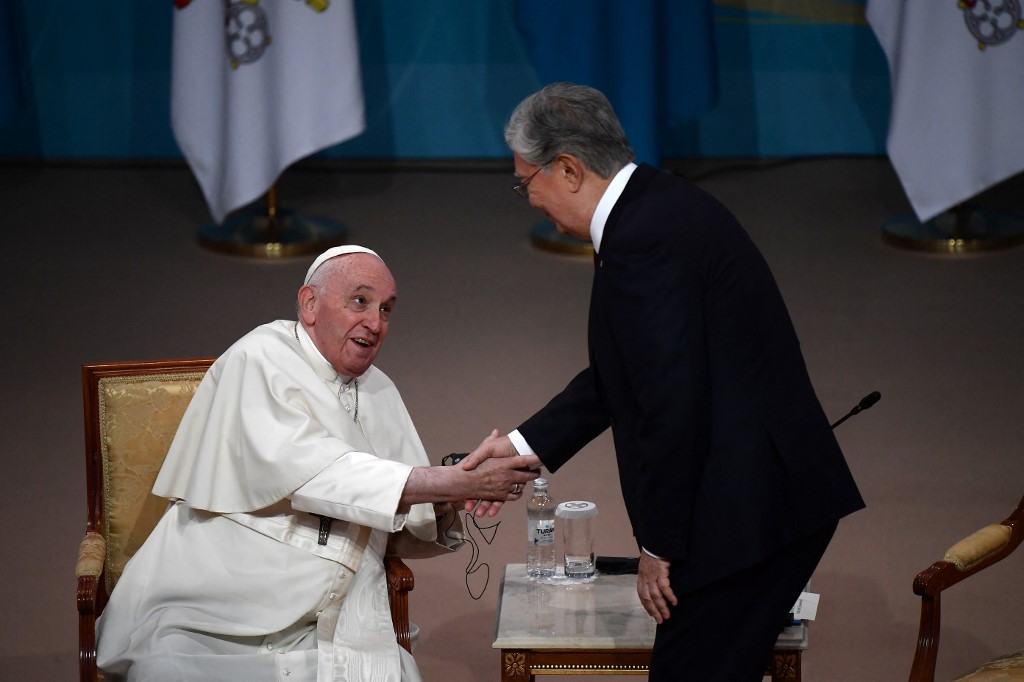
{"x": 973, "y": 554}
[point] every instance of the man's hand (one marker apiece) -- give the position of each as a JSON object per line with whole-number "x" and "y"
{"x": 653, "y": 587}
{"x": 495, "y": 446}
{"x": 491, "y": 480}
{"x": 492, "y": 446}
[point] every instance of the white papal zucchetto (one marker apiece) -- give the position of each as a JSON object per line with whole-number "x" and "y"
{"x": 334, "y": 252}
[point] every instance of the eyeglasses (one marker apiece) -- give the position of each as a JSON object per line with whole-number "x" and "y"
{"x": 521, "y": 189}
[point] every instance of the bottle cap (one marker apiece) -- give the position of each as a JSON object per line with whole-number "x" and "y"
{"x": 577, "y": 509}
{"x": 540, "y": 483}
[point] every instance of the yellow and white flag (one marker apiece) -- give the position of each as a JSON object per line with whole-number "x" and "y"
{"x": 259, "y": 84}
{"x": 957, "y": 95}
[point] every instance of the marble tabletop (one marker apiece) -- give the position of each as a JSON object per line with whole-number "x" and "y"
{"x": 602, "y": 612}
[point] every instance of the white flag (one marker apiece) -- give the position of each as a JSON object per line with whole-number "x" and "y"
{"x": 957, "y": 95}
{"x": 259, "y": 84}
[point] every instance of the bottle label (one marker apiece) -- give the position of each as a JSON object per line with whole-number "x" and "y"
{"x": 541, "y": 532}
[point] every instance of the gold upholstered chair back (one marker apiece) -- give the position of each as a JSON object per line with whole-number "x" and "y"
{"x": 132, "y": 411}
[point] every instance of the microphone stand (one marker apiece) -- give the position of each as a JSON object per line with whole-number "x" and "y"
{"x": 865, "y": 403}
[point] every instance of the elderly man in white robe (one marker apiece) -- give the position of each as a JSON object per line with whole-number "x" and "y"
{"x": 294, "y": 465}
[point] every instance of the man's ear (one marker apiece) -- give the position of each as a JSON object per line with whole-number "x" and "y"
{"x": 570, "y": 170}
{"x": 307, "y": 305}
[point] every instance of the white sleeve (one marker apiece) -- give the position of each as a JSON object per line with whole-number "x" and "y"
{"x": 357, "y": 487}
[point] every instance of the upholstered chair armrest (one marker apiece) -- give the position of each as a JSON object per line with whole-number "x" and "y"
{"x": 400, "y": 583}
{"x": 977, "y": 551}
{"x": 91, "y": 552}
{"x": 88, "y": 570}
{"x": 974, "y": 553}
{"x": 982, "y": 546}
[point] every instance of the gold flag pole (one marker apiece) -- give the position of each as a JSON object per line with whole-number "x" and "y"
{"x": 961, "y": 229}
{"x": 272, "y": 215}
{"x": 544, "y": 235}
{"x": 272, "y": 232}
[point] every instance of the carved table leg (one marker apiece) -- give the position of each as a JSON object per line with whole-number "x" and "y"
{"x": 785, "y": 666}
{"x": 515, "y": 666}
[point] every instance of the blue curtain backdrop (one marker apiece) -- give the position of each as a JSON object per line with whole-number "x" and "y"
{"x": 654, "y": 59}
{"x": 441, "y": 77}
{"x": 10, "y": 77}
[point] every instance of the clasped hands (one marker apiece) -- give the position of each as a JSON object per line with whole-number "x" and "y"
{"x": 495, "y": 457}
{"x": 504, "y": 469}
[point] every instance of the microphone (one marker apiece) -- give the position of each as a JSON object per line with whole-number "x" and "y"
{"x": 865, "y": 402}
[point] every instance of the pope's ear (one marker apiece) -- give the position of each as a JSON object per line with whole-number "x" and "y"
{"x": 307, "y": 304}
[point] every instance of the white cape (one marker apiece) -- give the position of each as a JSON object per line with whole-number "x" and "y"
{"x": 234, "y": 570}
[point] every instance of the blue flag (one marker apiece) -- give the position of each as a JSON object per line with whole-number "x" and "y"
{"x": 653, "y": 59}
{"x": 10, "y": 80}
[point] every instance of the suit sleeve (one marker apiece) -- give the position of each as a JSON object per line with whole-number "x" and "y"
{"x": 567, "y": 423}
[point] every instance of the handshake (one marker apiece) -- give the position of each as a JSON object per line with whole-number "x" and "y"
{"x": 482, "y": 480}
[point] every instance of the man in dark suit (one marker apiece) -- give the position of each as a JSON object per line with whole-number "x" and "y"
{"x": 732, "y": 478}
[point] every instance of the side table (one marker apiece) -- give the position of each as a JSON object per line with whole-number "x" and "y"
{"x": 560, "y": 627}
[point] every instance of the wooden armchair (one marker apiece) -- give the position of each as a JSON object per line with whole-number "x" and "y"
{"x": 974, "y": 553}
{"x": 132, "y": 410}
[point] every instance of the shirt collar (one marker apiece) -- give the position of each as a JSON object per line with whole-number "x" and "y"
{"x": 608, "y": 199}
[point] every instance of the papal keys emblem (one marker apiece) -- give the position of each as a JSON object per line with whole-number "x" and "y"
{"x": 246, "y": 30}
{"x": 991, "y": 22}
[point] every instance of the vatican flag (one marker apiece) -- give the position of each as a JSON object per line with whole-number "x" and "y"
{"x": 957, "y": 95}
{"x": 259, "y": 84}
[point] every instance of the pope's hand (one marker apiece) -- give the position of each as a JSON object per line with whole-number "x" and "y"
{"x": 490, "y": 452}
{"x": 497, "y": 479}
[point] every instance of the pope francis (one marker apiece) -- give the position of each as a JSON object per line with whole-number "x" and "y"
{"x": 294, "y": 466}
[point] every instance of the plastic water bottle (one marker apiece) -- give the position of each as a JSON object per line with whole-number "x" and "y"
{"x": 540, "y": 530}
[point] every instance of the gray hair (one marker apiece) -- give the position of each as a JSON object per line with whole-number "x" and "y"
{"x": 321, "y": 278}
{"x": 564, "y": 118}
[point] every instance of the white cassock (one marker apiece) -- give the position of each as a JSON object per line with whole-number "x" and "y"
{"x": 233, "y": 584}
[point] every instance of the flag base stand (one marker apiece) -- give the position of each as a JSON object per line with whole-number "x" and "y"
{"x": 275, "y": 233}
{"x": 546, "y": 236}
{"x": 959, "y": 230}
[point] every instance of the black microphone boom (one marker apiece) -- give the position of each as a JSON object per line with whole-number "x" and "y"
{"x": 865, "y": 402}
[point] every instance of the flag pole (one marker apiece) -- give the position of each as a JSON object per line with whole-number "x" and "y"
{"x": 962, "y": 229}
{"x": 545, "y": 236}
{"x": 272, "y": 232}
{"x": 272, "y": 214}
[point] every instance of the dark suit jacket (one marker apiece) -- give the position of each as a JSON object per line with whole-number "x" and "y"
{"x": 724, "y": 452}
